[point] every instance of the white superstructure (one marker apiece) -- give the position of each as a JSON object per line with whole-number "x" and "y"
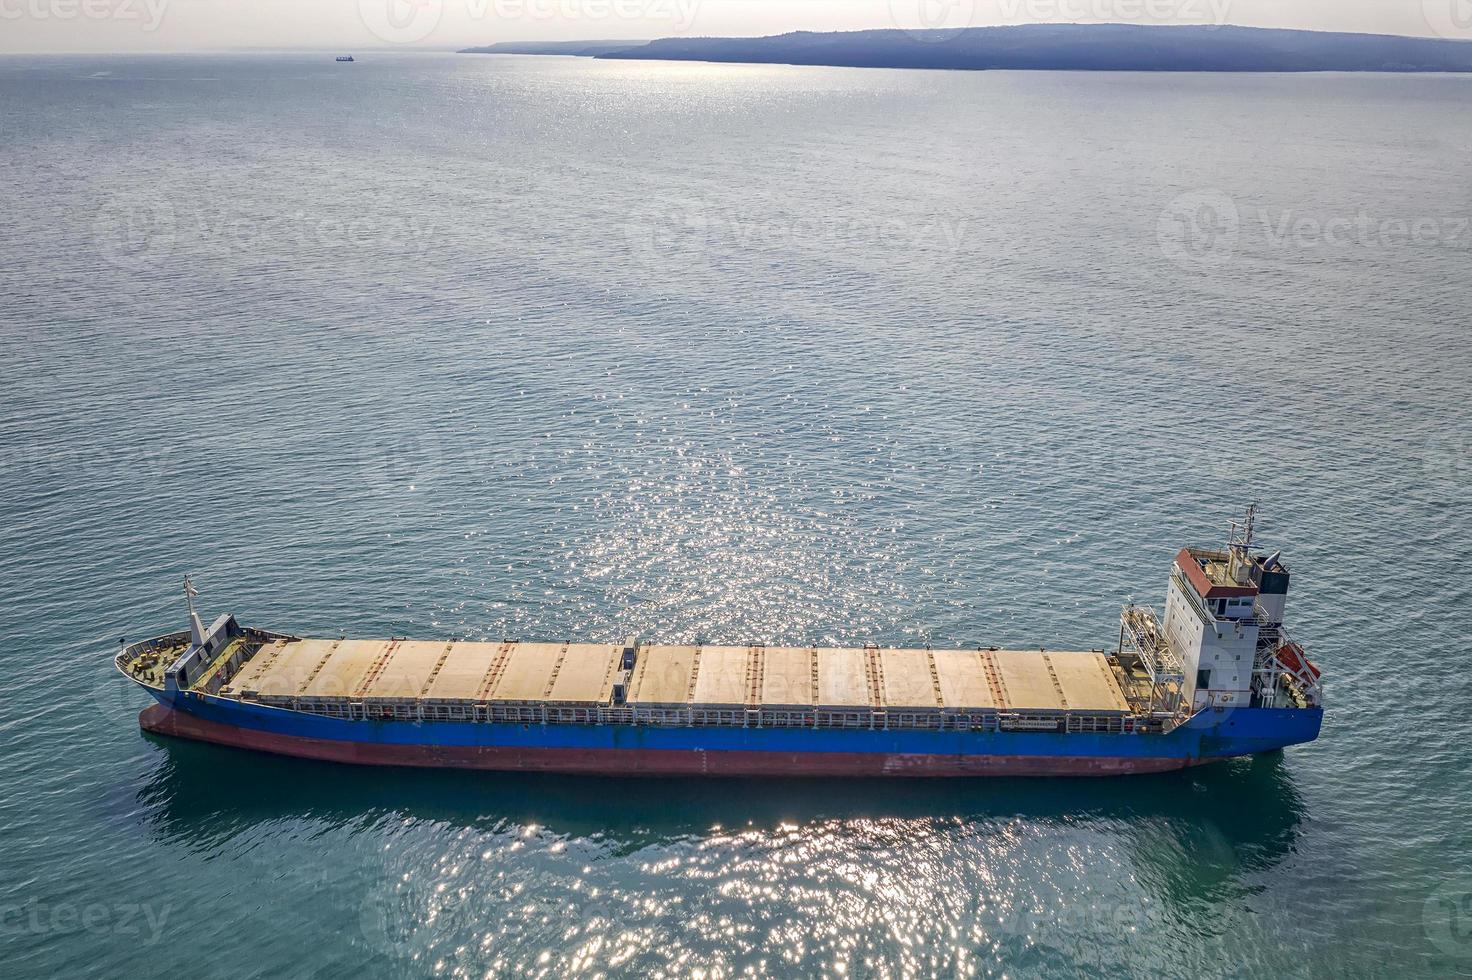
{"x": 1221, "y": 644}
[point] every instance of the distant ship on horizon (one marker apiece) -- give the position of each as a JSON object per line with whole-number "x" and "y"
{"x": 344, "y": 57}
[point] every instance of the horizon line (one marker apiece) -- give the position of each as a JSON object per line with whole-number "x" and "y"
{"x": 454, "y": 48}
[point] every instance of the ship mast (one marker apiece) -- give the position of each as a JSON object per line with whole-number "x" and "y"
{"x": 1239, "y": 543}
{"x": 196, "y": 628}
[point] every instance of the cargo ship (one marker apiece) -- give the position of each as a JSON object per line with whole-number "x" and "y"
{"x": 1215, "y": 677}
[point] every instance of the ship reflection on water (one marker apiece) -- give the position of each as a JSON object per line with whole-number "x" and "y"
{"x": 566, "y": 871}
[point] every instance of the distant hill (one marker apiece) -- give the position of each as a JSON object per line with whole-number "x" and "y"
{"x": 586, "y": 49}
{"x": 1059, "y": 47}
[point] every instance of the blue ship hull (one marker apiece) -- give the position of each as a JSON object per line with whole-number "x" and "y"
{"x": 674, "y": 750}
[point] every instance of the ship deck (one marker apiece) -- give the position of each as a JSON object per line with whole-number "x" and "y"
{"x": 787, "y": 684}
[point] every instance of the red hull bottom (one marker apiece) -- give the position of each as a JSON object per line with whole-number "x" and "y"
{"x": 642, "y": 762}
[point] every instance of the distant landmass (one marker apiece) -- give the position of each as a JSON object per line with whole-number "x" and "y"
{"x": 1056, "y": 47}
{"x": 583, "y": 49}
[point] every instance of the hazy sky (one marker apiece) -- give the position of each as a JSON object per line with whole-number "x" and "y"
{"x": 174, "y": 25}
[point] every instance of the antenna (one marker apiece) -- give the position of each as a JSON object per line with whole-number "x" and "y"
{"x": 1246, "y": 527}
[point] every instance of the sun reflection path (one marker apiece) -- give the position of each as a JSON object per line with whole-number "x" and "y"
{"x": 887, "y": 897}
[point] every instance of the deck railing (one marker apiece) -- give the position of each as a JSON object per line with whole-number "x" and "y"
{"x": 415, "y": 710}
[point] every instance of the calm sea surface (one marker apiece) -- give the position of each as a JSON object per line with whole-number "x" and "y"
{"x": 550, "y": 348}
